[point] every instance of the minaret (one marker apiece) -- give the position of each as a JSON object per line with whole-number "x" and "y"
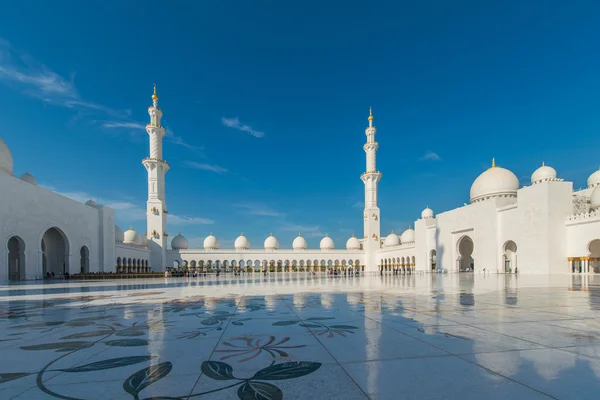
{"x": 371, "y": 214}
{"x": 156, "y": 207}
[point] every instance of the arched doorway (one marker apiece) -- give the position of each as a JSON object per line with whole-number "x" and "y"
{"x": 510, "y": 257}
{"x": 465, "y": 254}
{"x": 84, "y": 255}
{"x": 55, "y": 252}
{"x": 594, "y": 249}
{"x": 433, "y": 260}
{"x": 16, "y": 259}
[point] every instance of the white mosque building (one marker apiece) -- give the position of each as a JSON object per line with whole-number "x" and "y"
{"x": 544, "y": 227}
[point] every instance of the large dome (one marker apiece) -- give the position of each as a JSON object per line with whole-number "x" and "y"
{"x": 595, "y": 199}
{"x": 427, "y": 213}
{"x": 211, "y": 243}
{"x": 326, "y": 243}
{"x": 495, "y": 182}
{"x": 408, "y": 236}
{"x": 594, "y": 179}
{"x": 542, "y": 174}
{"x": 271, "y": 243}
{"x": 353, "y": 244}
{"x": 6, "y": 159}
{"x": 27, "y": 177}
{"x": 299, "y": 243}
{"x": 241, "y": 243}
{"x": 391, "y": 240}
{"x": 119, "y": 235}
{"x": 179, "y": 242}
{"x": 132, "y": 237}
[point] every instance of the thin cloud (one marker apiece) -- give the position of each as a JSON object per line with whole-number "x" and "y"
{"x": 259, "y": 209}
{"x": 305, "y": 231}
{"x": 206, "y": 167}
{"x": 176, "y": 220}
{"x": 124, "y": 125}
{"x": 34, "y": 79}
{"x": 358, "y": 204}
{"x": 236, "y": 124}
{"x": 431, "y": 156}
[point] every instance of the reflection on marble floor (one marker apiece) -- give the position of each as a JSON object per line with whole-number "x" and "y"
{"x": 292, "y": 336}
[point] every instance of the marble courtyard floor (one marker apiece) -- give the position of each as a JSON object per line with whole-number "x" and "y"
{"x": 292, "y": 336}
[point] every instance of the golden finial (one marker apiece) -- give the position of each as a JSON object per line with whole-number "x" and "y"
{"x": 493, "y": 163}
{"x": 353, "y": 235}
{"x": 371, "y": 118}
{"x": 154, "y": 96}
{"x": 298, "y": 234}
{"x": 543, "y": 164}
{"x": 130, "y": 227}
{"x": 271, "y": 234}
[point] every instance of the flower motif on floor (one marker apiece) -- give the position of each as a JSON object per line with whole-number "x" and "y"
{"x": 250, "y": 347}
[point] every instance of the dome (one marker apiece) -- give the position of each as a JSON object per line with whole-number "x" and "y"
{"x": 211, "y": 242}
{"x": 90, "y": 203}
{"x": 595, "y": 199}
{"x": 28, "y": 178}
{"x": 408, "y": 236}
{"x": 179, "y": 242}
{"x": 132, "y": 237}
{"x": 271, "y": 243}
{"x": 594, "y": 179}
{"x": 494, "y": 182}
{"x": 353, "y": 244}
{"x": 119, "y": 235}
{"x": 241, "y": 243}
{"x": 391, "y": 240}
{"x": 326, "y": 243}
{"x": 299, "y": 243}
{"x": 6, "y": 159}
{"x": 427, "y": 213}
{"x": 543, "y": 173}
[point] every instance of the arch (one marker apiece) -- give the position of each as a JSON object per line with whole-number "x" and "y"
{"x": 193, "y": 263}
{"x": 510, "y": 257}
{"x": 201, "y": 263}
{"x": 84, "y": 260}
{"x": 55, "y": 252}
{"x": 118, "y": 261}
{"x": 433, "y": 260}
{"x": 465, "y": 260}
{"x": 176, "y": 264}
{"x": 16, "y": 258}
{"x": 594, "y": 254}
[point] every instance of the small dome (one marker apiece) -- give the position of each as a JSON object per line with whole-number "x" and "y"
{"x": 6, "y": 159}
{"x": 241, "y": 243}
{"x": 408, "y": 236}
{"x": 594, "y": 179}
{"x": 90, "y": 203}
{"x": 28, "y": 178}
{"x": 391, "y": 240}
{"x": 119, "y": 235}
{"x": 132, "y": 237}
{"x": 145, "y": 240}
{"x": 427, "y": 213}
{"x": 271, "y": 243}
{"x": 299, "y": 243}
{"x": 495, "y": 182}
{"x": 211, "y": 243}
{"x": 353, "y": 244}
{"x": 179, "y": 242}
{"x": 595, "y": 199}
{"x": 543, "y": 173}
{"x": 326, "y": 243}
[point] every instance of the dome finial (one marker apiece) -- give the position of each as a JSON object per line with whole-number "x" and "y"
{"x": 543, "y": 164}
{"x": 155, "y": 96}
{"x": 493, "y": 162}
{"x": 298, "y": 234}
{"x": 371, "y": 118}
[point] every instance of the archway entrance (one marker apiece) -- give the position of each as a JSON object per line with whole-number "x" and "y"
{"x": 55, "y": 252}
{"x": 433, "y": 260}
{"x": 594, "y": 249}
{"x": 510, "y": 257}
{"x": 465, "y": 254}
{"x": 16, "y": 259}
{"x": 84, "y": 254}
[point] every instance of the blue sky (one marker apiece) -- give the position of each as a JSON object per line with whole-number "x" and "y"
{"x": 266, "y": 104}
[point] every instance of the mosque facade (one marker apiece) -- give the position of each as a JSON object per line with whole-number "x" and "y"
{"x": 542, "y": 228}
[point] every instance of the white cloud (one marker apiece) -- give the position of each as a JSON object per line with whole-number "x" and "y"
{"x": 430, "y": 155}
{"x": 358, "y": 204}
{"x": 37, "y": 80}
{"x": 125, "y": 125}
{"x": 176, "y": 220}
{"x": 236, "y": 124}
{"x": 306, "y": 231}
{"x": 259, "y": 209}
{"x": 206, "y": 167}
